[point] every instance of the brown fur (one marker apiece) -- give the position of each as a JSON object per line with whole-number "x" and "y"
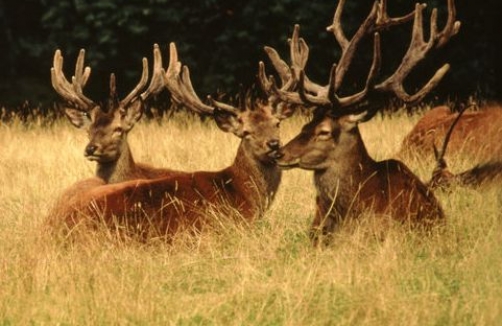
{"x": 476, "y": 135}
{"x": 349, "y": 181}
{"x": 163, "y": 205}
{"x": 108, "y": 135}
{"x": 482, "y": 175}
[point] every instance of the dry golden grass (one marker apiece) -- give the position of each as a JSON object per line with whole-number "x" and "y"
{"x": 263, "y": 274}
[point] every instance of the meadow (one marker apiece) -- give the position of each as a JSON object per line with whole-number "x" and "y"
{"x": 266, "y": 273}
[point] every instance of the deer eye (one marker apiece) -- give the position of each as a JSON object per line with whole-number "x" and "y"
{"x": 324, "y": 134}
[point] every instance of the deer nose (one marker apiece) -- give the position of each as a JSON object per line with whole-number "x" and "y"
{"x": 90, "y": 149}
{"x": 274, "y": 144}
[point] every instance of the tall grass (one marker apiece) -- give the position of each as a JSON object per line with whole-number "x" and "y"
{"x": 263, "y": 274}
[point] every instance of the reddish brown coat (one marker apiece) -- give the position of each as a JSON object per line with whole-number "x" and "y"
{"x": 476, "y": 136}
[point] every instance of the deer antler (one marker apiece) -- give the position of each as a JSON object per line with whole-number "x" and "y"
{"x": 440, "y": 174}
{"x": 157, "y": 81}
{"x": 178, "y": 82}
{"x": 417, "y": 50}
{"x": 141, "y": 84}
{"x": 72, "y": 92}
{"x": 376, "y": 20}
{"x": 289, "y": 75}
{"x": 452, "y": 26}
{"x": 439, "y": 155}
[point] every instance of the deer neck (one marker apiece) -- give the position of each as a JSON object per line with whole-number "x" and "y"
{"x": 119, "y": 170}
{"x": 339, "y": 183}
{"x": 260, "y": 180}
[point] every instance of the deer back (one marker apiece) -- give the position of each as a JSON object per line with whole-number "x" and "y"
{"x": 475, "y": 137}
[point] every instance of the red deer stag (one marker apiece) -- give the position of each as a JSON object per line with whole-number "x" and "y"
{"x": 108, "y": 125}
{"x": 482, "y": 175}
{"x": 348, "y": 181}
{"x": 476, "y": 136}
{"x": 162, "y": 206}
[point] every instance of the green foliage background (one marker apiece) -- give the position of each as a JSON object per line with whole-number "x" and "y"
{"x": 221, "y": 41}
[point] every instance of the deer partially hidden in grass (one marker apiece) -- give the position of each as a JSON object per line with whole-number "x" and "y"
{"x": 476, "y": 136}
{"x": 161, "y": 207}
{"x": 109, "y": 124}
{"x": 348, "y": 181}
{"x": 483, "y": 174}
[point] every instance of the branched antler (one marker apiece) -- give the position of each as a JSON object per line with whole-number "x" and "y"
{"x": 376, "y": 21}
{"x": 72, "y": 92}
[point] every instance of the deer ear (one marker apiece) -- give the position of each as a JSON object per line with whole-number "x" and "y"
{"x": 228, "y": 121}
{"x": 350, "y": 121}
{"x": 78, "y": 118}
{"x": 132, "y": 113}
{"x": 364, "y": 116}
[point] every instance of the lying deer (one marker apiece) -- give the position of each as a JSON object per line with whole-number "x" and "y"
{"x": 476, "y": 136}
{"x": 348, "y": 181}
{"x": 109, "y": 124}
{"x": 248, "y": 185}
{"x": 486, "y": 173}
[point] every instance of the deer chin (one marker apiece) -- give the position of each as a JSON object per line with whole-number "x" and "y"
{"x": 285, "y": 165}
{"x": 99, "y": 158}
{"x": 95, "y": 158}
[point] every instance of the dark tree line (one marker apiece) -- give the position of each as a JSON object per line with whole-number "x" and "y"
{"x": 222, "y": 42}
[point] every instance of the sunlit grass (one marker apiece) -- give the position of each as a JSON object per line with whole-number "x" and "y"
{"x": 263, "y": 274}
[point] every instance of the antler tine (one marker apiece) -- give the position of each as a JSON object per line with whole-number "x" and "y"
{"x": 286, "y": 96}
{"x": 440, "y": 154}
{"x": 299, "y": 52}
{"x": 157, "y": 81}
{"x": 331, "y": 98}
{"x": 370, "y": 80}
{"x": 336, "y": 27}
{"x": 172, "y": 74}
{"x": 384, "y": 21}
{"x": 289, "y": 75}
{"x": 377, "y": 20}
{"x": 222, "y": 106}
{"x": 113, "y": 87}
{"x": 141, "y": 84}
{"x": 81, "y": 73}
{"x": 190, "y": 96}
{"x": 178, "y": 82}
{"x": 71, "y": 92}
{"x": 283, "y": 70}
{"x": 452, "y": 26}
{"x": 350, "y": 48}
{"x": 416, "y": 52}
{"x": 321, "y": 99}
{"x": 264, "y": 80}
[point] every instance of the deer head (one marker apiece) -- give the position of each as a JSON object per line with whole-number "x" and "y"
{"x": 256, "y": 122}
{"x": 106, "y": 124}
{"x": 332, "y": 135}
